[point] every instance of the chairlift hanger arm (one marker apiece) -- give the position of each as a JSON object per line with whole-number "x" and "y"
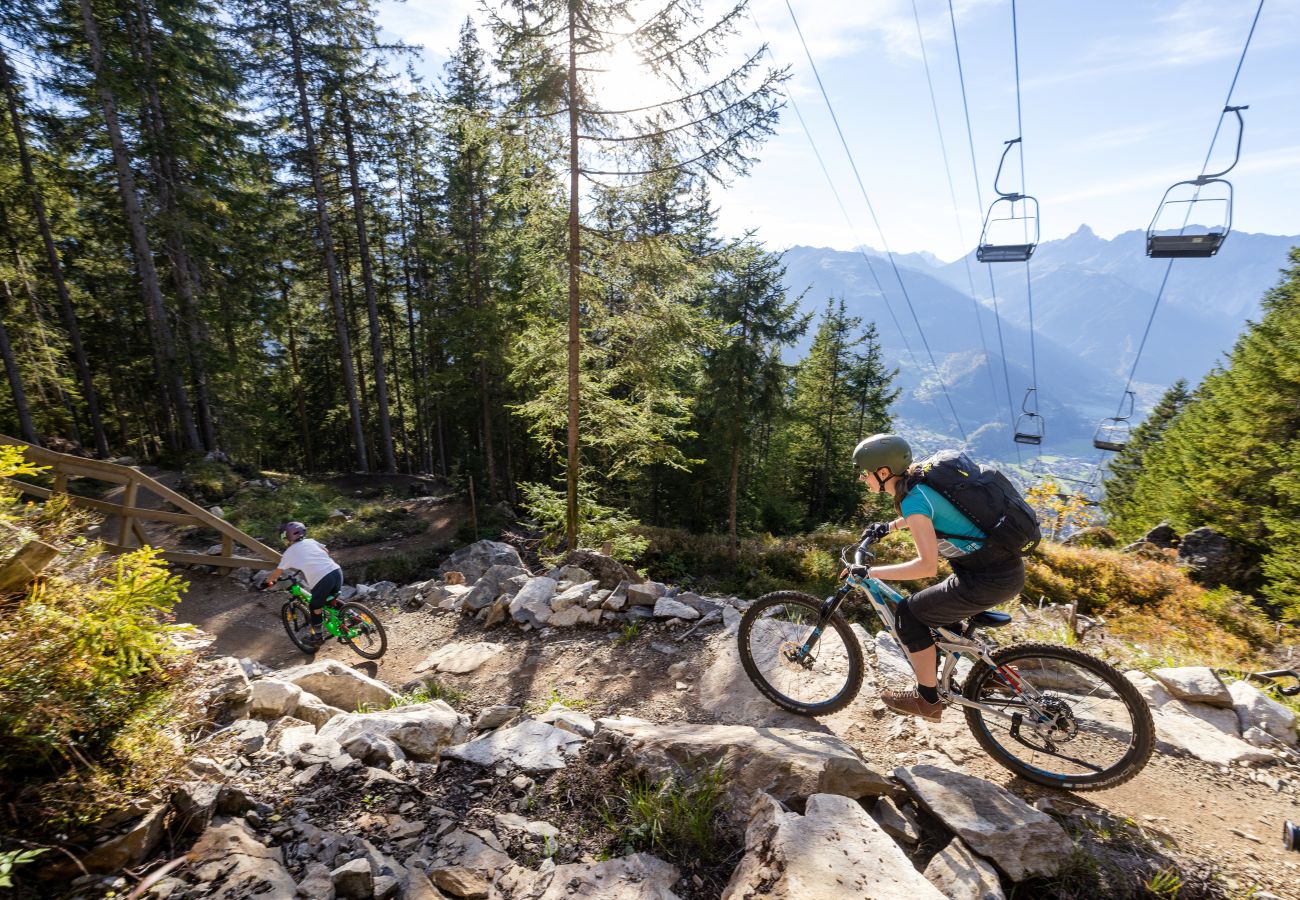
{"x": 996, "y": 178}
{"x": 1241, "y": 129}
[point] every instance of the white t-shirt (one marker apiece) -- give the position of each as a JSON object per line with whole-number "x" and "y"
{"x": 310, "y": 558}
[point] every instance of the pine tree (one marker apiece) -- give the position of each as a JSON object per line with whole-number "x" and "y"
{"x": 1126, "y": 467}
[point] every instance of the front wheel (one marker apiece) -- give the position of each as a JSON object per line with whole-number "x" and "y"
{"x": 800, "y": 671}
{"x": 297, "y": 622}
{"x": 1059, "y": 717}
{"x": 361, "y": 630}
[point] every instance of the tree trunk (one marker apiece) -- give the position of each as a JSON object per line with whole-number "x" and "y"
{"x": 327, "y": 240}
{"x": 15, "y": 377}
{"x": 308, "y": 457}
{"x": 417, "y": 388}
{"x": 164, "y": 343}
{"x": 733, "y": 542}
{"x": 54, "y": 262}
{"x": 368, "y": 280}
{"x": 571, "y": 515}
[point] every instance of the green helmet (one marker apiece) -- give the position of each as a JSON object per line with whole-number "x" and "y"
{"x": 888, "y": 450}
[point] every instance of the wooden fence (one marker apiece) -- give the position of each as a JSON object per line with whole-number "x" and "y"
{"x": 130, "y": 534}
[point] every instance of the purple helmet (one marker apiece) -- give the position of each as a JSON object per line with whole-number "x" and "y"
{"x": 293, "y": 531}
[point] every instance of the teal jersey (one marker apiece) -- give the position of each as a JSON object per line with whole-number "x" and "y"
{"x": 947, "y": 520}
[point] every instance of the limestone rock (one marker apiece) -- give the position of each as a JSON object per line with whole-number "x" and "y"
{"x": 1205, "y": 732}
{"x": 195, "y": 802}
{"x": 532, "y": 605}
{"x": 835, "y": 851}
{"x": 496, "y": 581}
{"x": 339, "y": 685}
{"x": 1151, "y": 690}
{"x": 992, "y": 821}
{"x": 465, "y": 862}
{"x": 639, "y": 876}
{"x": 498, "y": 612}
{"x": 575, "y": 574}
{"x": 316, "y": 882}
{"x": 459, "y": 658}
{"x": 530, "y": 746}
{"x": 232, "y": 864}
{"x": 495, "y": 716}
{"x": 606, "y": 569}
{"x": 421, "y": 729}
{"x": 131, "y": 847}
{"x": 271, "y": 698}
{"x": 248, "y": 735}
{"x": 354, "y": 880}
{"x": 667, "y": 608}
{"x": 786, "y": 763}
{"x": 891, "y": 660}
{"x": 315, "y": 710}
{"x": 226, "y": 686}
{"x": 961, "y": 875}
{"x": 645, "y": 594}
{"x": 1257, "y": 709}
{"x": 574, "y": 595}
{"x": 570, "y": 720}
{"x": 473, "y": 561}
{"x": 1198, "y": 684}
{"x": 898, "y": 823}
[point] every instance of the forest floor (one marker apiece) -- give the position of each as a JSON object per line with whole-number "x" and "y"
{"x": 1204, "y": 820}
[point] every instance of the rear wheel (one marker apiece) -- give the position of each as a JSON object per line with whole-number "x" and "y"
{"x": 361, "y": 630}
{"x": 773, "y": 633}
{"x": 1091, "y": 729}
{"x": 297, "y": 622}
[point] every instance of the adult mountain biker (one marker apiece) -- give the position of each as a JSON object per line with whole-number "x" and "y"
{"x": 979, "y": 580}
{"x": 322, "y": 575}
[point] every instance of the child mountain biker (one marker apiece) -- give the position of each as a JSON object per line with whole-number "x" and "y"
{"x": 978, "y": 581}
{"x": 322, "y": 575}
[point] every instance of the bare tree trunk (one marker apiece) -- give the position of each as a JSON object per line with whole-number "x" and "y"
{"x": 309, "y": 457}
{"x": 55, "y": 263}
{"x": 368, "y": 280}
{"x": 15, "y": 377}
{"x": 327, "y": 240}
{"x": 164, "y": 343}
{"x": 571, "y": 516}
{"x": 417, "y": 387}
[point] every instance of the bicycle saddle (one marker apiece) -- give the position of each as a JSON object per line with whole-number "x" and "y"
{"x": 990, "y": 619}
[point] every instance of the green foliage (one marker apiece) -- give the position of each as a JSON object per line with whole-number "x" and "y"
{"x": 1229, "y": 458}
{"x": 260, "y": 511}
{"x": 209, "y": 481}
{"x": 1125, "y": 469}
{"x": 676, "y": 818}
{"x": 430, "y": 690}
{"x": 398, "y": 566}
{"x": 631, "y": 631}
{"x": 9, "y": 859}
{"x": 596, "y": 523}
{"x": 89, "y": 670}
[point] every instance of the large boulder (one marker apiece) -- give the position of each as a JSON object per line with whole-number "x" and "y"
{"x": 459, "y": 658}
{"x": 1216, "y": 559}
{"x": 639, "y": 876}
{"x": 1163, "y": 535}
{"x": 496, "y": 581}
{"x": 339, "y": 685}
{"x": 1197, "y": 684}
{"x": 787, "y": 763}
{"x": 225, "y": 687}
{"x": 421, "y": 729}
{"x": 272, "y": 698}
{"x": 607, "y": 569}
{"x": 131, "y": 847}
{"x": 532, "y": 605}
{"x": 835, "y": 851}
{"x": 992, "y": 821}
{"x": 530, "y": 746}
{"x": 473, "y": 561}
{"x": 1206, "y": 732}
{"x": 1255, "y": 709}
{"x": 231, "y": 864}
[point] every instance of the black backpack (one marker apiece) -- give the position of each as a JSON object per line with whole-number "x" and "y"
{"x": 986, "y": 497}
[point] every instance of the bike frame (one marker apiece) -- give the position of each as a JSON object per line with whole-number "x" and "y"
{"x": 330, "y": 614}
{"x": 884, "y": 601}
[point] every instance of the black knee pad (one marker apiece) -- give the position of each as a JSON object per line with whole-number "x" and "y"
{"x": 914, "y": 633}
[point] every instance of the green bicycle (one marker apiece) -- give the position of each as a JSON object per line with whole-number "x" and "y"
{"x": 351, "y": 623}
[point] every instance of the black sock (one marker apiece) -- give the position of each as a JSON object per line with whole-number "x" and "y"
{"x": 928, "y": 694}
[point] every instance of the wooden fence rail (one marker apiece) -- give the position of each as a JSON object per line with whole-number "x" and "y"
{"x": 130, "y": 533}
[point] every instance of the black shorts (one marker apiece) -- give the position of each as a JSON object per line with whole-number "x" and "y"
{"x": 960, "y": 595}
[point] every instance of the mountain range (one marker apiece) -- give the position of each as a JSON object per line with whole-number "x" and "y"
{"x": 1092, "y": 300}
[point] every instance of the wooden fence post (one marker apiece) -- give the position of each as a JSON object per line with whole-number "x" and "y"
{"x": 128, "y": 501}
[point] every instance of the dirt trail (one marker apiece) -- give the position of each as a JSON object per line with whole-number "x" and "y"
{"x": 1195, "y": 809}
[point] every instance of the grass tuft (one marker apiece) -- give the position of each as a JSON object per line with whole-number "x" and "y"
{"x": 675, "y": 819}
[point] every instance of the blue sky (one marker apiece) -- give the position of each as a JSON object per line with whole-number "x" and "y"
{"x": 1119, "y": 100}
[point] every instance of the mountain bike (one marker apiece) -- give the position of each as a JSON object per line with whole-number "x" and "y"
{"x": 1053, "y": 715}
{"x": 351, "y": 623}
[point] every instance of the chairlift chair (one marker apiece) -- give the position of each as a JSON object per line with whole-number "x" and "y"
{"x": 1113, "y": 433}
{"x": 1029, "y": 427}
{"x": 1004, "y": 217}
{"x": 1167, "y": 238}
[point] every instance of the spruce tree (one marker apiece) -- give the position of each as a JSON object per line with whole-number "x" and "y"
{"x": 1126, "y": 466}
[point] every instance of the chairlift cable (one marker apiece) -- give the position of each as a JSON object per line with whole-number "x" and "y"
{"x": 875, "y": 219}
{"x": 979, "y": 200}
{"x": 821, "y": 162}
{"x": 952, "y": 192}
{"x": 1164, "y": 281}
{"x": 1029, "y": 287}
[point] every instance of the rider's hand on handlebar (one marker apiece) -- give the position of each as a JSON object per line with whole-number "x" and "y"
{"x": 875, "y": 532}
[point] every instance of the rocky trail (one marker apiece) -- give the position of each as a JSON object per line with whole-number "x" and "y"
{"x": 540, "y": 697}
